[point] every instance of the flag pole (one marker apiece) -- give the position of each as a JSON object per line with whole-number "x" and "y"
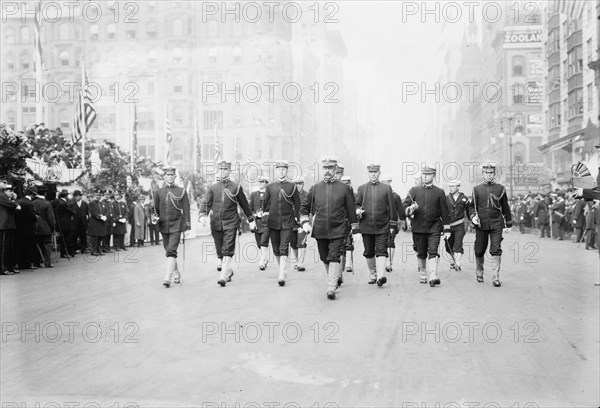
{"x": 132, "y": 136}
{"x": 39, "y": 114}
{"x": 82, "y": 123}
{"x": 166, "y": 143}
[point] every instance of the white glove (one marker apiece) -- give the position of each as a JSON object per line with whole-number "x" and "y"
{"x": 578, "y": 193}
{"x": 475, "y": 220}
{"x": 306, "y": 228}
{"x": 359, "y": 213}
{"x": 252, "y": 225}
{"x": 18, "y": 207}
{"x": 446, "y": 235}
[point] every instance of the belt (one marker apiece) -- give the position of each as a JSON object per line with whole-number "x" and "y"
{"x": 455, "y": 223}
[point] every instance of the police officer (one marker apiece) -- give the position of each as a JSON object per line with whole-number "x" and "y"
{"x": 107, "y": 211}
{"x": 298, "y": 242}
{"x": 387, "y": 179}
{"x": 45, "y": 226}
{"x": 376, "y": 211}
{"x": 222, "y": 201}
{"x": 96, "y": 227}
{"x": 282, "y": 202}
{"x": 429, "y": 206}
{"x": 8, "y": 207}
{"x": 457, "y": 204}
{"x": 261, "y": 233}
{"x": 119, "y": 209}
{"x": 332, "y": 204}
{"x": 488, "y": 209}
{"x": 173, "y": 210}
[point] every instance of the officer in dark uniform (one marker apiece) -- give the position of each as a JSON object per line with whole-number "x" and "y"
{"x": 282, "y": 202}
{"x": 44, "y": 227}
{"x": 457, "y": 204}
{"x": 387, "y": 179}
{"x": 332, "y": 204}
{"x": 488, "y": 209}
{"x": 107, "y": 211}
{"x": 377, "y": 214}
{"x": 173, "y": 211}
{"x": 64, "y": 219}
{"x": 25, "y": 221}
{"x": 8, "y": 207}
{"x": 429, "y": 206}
{"x": 261, "y": 233}
{"x": 119, "y": 209}
{"x": 298, "y": 242}
{"x": 97, "y": 221}
{"x": 81, "y": 222}
{"x": 222, "y": 200}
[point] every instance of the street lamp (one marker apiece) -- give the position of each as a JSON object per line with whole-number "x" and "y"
{"x": 510, "y": 152}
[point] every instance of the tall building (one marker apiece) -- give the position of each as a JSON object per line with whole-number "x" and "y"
{"x": 571, "y": 103}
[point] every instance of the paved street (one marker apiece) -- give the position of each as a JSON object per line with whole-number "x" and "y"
{"x": 109, "y": 333}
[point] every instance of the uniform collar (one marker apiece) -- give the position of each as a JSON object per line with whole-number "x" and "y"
{"x": 428, "y": 185}
{"x": 374, "y": 182}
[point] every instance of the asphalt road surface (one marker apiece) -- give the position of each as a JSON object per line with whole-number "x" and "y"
{"x": 105, "y": 332}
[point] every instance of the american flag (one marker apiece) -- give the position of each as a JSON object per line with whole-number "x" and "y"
{"x": 84, "y": 111}
{"x": 37, "y": 40}
{"x": 217, "y": 150}
{"x": 571, "y": 8}
{"x": 169, "y": 138}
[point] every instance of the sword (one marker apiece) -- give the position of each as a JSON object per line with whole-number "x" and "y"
{"x": 450, "y": 252}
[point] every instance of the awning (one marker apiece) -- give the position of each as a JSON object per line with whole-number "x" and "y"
{"x": 563, "y": 142}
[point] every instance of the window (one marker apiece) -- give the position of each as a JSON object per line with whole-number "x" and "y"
{"x": 25, "y": 62}
{"x": 130, "y": 32}
{"x": 177, "y": 27}
{"x": 212, "y": 54}
{"x": 10, "y": 117}
{"x": 110, "y": 32}
{"x": 212, "y": 29}
{"x": 177, "y": 55}
{"x": 554, "y": 116}
{"x": 212, "y": 119}
{"x": 517, "y": 65}
{"x": 575, "y": 61}
{"x": 10, "y": 62}
{"x": 178, "y": 116}
{"x": 152, "y": 56}
{"x": 151, "y": 29}
{"x": 9, "y": 36}
{"x": 25, "y": 38}
{"x": 237, "y": 54}
{"x": 178, "y": 84}
{"x": 517, "y": 90}
{"x": 590, "y": 99}
{"x": 63, "y": 32}
{"x": 147, "y": 151}
{"x": 589, "y": 50}
{"x": 106, "y": 118}
{"x": 145, "y": 119}
{"x": 64, "y": 58}
{"x": 519, "y": 152}
{"x": 575, "y": 99}
{"x": 94, "y": 30}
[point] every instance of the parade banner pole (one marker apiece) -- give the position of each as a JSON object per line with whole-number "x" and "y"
{"x": 82, "y": 123}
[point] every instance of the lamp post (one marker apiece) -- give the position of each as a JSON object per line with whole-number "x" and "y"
{"x": 510, "y": 152}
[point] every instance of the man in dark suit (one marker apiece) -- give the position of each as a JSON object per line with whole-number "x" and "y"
{"x": 25, "y": 221}
{"x": 119, "y": 209}
{"x": 97, "y": 219}
{"x": 64, "y": 216}
{"x": 81, "y": 219}
{"x": 44, "y": 227}
{"x": 8, "y": 207}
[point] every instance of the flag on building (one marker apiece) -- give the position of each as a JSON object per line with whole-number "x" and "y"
{"x": 85, "y": 114}
{"x": 571, "y": 8}
{"x": 37, "y": 40}
{"x": 169, "y": 139}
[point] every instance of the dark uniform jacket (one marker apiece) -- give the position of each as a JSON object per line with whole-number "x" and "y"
{"x": 173, "y": 209}
{"x": 490, "y": 203}
{"x": 25, "y": 219}
{"x": 540, "y": 211}
{"x": 578, "y": 215}
{"x": 81, "y": 214}
{"x": 7, "y": 212}
{"x": 223, "y": 199}
{"x": 559, "y": 210}
{"x": 256, "y": 203}
{"x": 433, "y": 215}
{"x": 399, "y": 208}
{"x": 593, "y": 193}
{"x": 46, "y": 223}
{"x": 457, "y": 208}
{"x": 119, "y": 210}
{"x": 282, "y": 201}
{"x": 64, "y": 216}
{"x": 377, "y": 201}
{"x": 332, "y": 205}
{"x": 107, "y": 210}
{"x": 96, "y": 227}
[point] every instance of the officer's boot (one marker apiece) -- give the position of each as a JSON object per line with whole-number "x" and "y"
{"x": 422, "y": 270}
{"x": 301, "y": 254}
{"x": 295, "y": 257}
{"x": 372, "y": 270}
{"x": 169, "y": 272}
{"x": 457, "y": 257}
{"x": 283, "y": 265}
{"x": 264, "y": 258}
{"x": 381, "y": 262}
{"x": 479, "y": 268}
{"x": 495, "y": 270}
{"x": 333, "y": 275}
{"x": 349, "y": 266}
{"x": 224, "y": 278}
{"x": 432, "y": 264}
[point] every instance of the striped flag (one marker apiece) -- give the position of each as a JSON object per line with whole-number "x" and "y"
{"x": 37, "y": 40}
{"x": 85, "y": 114}
{"x": 571, "y": 8}
{"x": 169, "y": 138}
{"x": 217, "y": 150}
